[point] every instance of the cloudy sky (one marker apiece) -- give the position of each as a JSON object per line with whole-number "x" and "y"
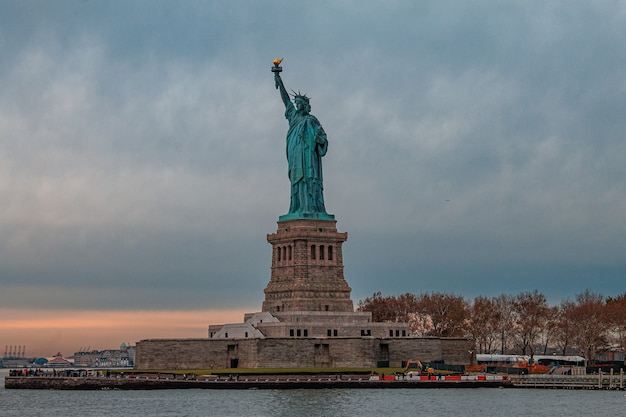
{"x": 476, "y": 148}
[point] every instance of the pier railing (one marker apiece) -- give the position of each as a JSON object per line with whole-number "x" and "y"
{"x": 606, "y": 381}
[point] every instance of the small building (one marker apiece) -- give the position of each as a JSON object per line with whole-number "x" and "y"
{"x": 124, "y": 357}
{"x": 58, "y": 361}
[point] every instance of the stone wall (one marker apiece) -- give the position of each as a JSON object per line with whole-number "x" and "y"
{"x": 296, "y": 353}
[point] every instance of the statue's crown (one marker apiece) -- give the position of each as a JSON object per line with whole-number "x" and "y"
{"x": 300, "y": 96}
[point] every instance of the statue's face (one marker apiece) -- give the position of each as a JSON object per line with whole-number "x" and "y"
{"x": 302, "y": 106}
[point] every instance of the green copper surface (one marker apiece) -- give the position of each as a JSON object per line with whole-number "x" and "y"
{"x": 306, "y": 145}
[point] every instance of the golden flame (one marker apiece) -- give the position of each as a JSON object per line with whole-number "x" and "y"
{"x": 277, "y": 61}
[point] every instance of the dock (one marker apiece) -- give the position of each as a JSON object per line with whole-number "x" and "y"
{"x": 600, "y": 381}
{"x": 151, "y": 382}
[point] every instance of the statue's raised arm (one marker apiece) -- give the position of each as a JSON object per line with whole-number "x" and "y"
{"x": 306, "y": 145}
{"x": 279, "y": 83}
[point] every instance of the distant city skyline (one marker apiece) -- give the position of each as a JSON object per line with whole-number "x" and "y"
{"x": 474, "y": 148}
{"x": 44, "y": 333}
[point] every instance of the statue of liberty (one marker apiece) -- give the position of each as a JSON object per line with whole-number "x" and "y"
{"x": 306, "y": 145}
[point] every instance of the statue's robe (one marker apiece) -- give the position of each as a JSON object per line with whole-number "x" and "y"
{"x": 306, "y": 145}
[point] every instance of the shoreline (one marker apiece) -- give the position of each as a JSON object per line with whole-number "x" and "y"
{"x": 152, "y": 381}
{"x": 261, "y": 382}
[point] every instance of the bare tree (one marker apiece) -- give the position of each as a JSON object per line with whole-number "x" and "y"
{"x": 616, "y": 314}
{"x": 531, "y": 311}
{"x": 447, "y": 312}
{"x": 590, "y": 323}
{"x": 565, "y": 328}
{"x": 390, "y": 308}
{"x": 503, "y": 308}
{"x": 482, "y": 324}
{"x": 550, "y": 330}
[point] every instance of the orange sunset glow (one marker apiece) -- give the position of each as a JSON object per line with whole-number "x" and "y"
{"x": 45, "y": 332}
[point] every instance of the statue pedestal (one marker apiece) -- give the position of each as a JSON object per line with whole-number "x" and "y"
{"x": 307, "y": 268}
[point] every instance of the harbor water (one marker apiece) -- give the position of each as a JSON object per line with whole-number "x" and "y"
{"x": 312, "y": 402}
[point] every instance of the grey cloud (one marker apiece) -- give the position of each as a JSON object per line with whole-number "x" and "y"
{"x": 473, "y": 147}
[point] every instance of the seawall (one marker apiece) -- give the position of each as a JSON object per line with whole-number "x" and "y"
{"x": 261, "y": 382}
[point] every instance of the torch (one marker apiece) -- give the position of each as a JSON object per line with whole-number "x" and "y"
{"x": 277, "y": 68}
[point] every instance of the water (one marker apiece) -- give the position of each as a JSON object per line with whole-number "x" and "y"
{"x": 324, "y": 402}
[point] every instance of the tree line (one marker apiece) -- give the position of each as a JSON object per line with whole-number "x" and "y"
{"x": 526, "y": 324}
